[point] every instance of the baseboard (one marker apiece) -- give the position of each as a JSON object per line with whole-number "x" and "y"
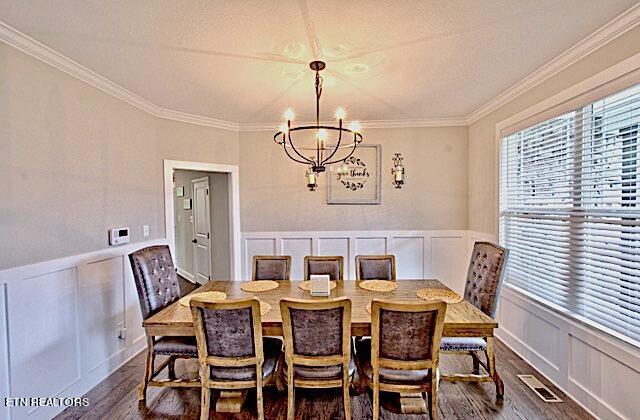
{"x": 187, "y": 275}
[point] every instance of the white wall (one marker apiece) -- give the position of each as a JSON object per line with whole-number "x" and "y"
{"x": 275, "y": 197}
{"x": 76, "y": 162}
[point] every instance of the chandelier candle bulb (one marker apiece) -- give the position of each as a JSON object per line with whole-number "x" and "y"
{"x": 355, "y": 126}
{"x": 340, "y": 113}
{"x": 289, "y": 114}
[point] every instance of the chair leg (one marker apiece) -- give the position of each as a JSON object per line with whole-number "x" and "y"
{"x": 491, "y": 362}
{"x": 346, "y": 396}
{"x": 172, "y": 368}
{"x": 433, "y": 395}
{"x": 259, "y": 398}
{"x": 148, "y": 372}
{"x": 291, "y": 400}
{"x": 279, "y": 373}
{"x": 376, "y": 398}
{"x": 205, "y": 401}
{"x": 476, "y": 363}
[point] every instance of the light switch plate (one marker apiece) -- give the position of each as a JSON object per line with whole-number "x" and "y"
{"x": 145, "y": 230}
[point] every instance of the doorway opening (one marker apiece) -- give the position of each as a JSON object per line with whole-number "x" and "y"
{"x": 202, "y": 220}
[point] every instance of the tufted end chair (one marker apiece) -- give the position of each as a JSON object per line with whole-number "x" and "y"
{"x": 271, "y": 267}
{"x": 318, "y": 354}
{"x": 231, "y": 351}
{"x": 482, "y": 290}
{"x": 158, "y": 287}
{"x": 375, "y": 267}
{"x": 331, "y": 266}
{"x": 402, "y": 354}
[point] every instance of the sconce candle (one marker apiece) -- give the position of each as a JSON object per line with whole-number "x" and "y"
{"x": 311, "y": 179}
{"x": 398, "y": 171}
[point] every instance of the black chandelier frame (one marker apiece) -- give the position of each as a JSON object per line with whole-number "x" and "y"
{"x": 323, "y": 154}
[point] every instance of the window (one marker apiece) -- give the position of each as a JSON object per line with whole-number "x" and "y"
{"x": 570, "y": 211}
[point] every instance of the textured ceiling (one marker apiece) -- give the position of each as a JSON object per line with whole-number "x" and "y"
{"x": 245, "y": 61}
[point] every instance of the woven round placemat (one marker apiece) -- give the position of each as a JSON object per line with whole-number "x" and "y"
{"x": 378, "y": 285}
{"x": 306, "y": 285}
{"x": 264, "y": 308}
{"x": 259, "y": 285}
{"x": 445, "y": 295}
{"x": 208, "y": 296}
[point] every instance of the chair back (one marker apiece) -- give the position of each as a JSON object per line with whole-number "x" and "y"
{"x": 155, "y": 277}
{"x": 375, "y": 267}
{"x": 317, "y": 332}
{"x": 406, "y": 335}
{"x": 271, "y": 267}
{"x": 332, "y": 266}
{"x": 485, "y": 276}
{"x": 228, "y": 333}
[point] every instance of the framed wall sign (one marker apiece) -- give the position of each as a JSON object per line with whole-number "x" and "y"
{"x": 357, "y": 181}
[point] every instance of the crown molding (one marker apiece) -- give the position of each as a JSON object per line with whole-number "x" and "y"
{"x": 30, "y": 46}
{"x": 169, "y": 114}
{"x": 610, "y": 31}
{"x": 366, "y": 124}
{"x": 615, "y": 28}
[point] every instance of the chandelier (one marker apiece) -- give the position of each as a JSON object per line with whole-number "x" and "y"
{"x": 321, "y": 153}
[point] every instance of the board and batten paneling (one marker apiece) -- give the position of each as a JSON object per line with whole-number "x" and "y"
{"x": 419, "y": 254}
{"x": 61, "y": 321}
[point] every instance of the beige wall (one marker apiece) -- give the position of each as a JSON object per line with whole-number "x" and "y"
{"x": 274, "y": 195}
{"x": 482, "y": 152}
{"x": 75, "y": 161}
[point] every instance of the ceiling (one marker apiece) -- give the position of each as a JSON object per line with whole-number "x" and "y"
{"x": 246, "y": 61}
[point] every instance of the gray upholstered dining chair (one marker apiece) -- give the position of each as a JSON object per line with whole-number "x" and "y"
{"x": 333, "y": 266}
{"x": 482, "y": 290}
{"x": 158, "y": 287}
{"x": 271, "y": 267}
{"x": 317, "y": 341}
{"x": 375, "y": 267}
{"x": 402, "y": 354}
{"x": 231, "y": 351}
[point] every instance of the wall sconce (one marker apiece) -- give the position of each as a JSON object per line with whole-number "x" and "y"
{"x": 312, "y": 179}
{"x": 398, "y": 171}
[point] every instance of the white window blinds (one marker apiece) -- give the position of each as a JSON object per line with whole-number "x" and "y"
{"x": 570, "y": 211}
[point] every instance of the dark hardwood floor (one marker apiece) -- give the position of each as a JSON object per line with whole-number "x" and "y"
{"x": 116, "y": 397}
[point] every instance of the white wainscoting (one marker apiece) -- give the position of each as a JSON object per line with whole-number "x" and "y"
{"x": 59, "y": 319}
{"x": 598, "y": 370}
{"x": 59, "y": 326}
{"x": 419, "y": 254}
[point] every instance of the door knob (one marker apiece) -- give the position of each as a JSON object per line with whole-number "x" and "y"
{"x": 195, "y": 241}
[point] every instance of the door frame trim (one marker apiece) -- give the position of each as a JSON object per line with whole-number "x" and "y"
{"x": 234, "y": 205}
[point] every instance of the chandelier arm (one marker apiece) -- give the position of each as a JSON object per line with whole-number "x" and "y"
{"x": 284, "y": 139}
{"x": 324, "y": 161}
{"x": 349, "y": 155}
{"x": 293, "y": 158}
{"x": 307, "y": 160}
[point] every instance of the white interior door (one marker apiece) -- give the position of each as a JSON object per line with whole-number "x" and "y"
{"x": 201, "y": 230}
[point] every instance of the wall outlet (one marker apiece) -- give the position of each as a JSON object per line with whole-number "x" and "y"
{"x": 145, "y": 230}
{"x": 122, "y": 331}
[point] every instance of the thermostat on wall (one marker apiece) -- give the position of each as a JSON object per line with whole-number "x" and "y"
{"x": 119, "y": 236}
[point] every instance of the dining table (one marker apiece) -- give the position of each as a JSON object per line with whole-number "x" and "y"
{"x": 462, "y": 319}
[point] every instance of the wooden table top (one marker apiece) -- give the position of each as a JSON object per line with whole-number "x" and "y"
{"x": 462, "y": 319}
